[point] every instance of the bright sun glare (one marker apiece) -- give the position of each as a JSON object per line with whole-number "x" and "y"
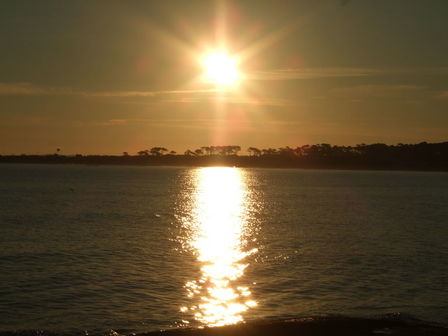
{"x": 220, "y": 69}
{"x": 219, "y": 231}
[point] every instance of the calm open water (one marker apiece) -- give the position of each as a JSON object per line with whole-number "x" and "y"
{"x": 142, "y": 248}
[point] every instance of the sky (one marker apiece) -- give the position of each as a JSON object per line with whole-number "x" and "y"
{"x": 108, "y": 76}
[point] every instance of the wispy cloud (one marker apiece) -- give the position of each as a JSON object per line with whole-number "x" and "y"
{"x": 316, "y": 73}
{"x": 442, "y": 95}
{"x": 147, "y": 93}
{"x": 195, "y": 95}
{"x": 198, "y": 96}
{"x": 233, "y": 99}
{"x": 376, "y": 91}
{"x": 171, "y": 96}
{"x": 28, "y": 89}
{"x": 311, "y": 73}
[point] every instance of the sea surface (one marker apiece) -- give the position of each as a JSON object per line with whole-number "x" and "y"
{"x": 136, "y": 249}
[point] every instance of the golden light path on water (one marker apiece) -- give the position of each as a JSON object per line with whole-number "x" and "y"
{"x": 218, "y": 230}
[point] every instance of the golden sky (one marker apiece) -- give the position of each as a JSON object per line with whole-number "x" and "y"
{"x": 111, "y": 76}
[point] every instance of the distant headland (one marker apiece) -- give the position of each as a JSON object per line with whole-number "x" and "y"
{"x": 422, "y": 156}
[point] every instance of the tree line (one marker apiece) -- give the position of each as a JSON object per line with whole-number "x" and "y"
{"x": 323, "y": 150}
{"x": 205, "y": 150}
{"x": 421, "y": 156}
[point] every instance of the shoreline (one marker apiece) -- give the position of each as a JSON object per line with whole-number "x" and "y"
{"x": 225, "y": 161}
{"x": 393, "y": 324}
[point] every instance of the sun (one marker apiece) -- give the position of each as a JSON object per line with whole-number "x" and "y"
{"x": 221, "y": 69}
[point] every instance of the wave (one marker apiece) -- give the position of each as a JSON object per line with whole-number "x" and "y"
{"x": 397, "y": 324}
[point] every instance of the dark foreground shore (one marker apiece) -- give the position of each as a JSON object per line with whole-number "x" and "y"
{"x": 315, "y": 326}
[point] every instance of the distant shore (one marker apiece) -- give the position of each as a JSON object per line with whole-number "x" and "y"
{"x": 268, "y": 161}
{"x": 421, "y": 157}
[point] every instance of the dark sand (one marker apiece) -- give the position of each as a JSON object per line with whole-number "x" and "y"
{"x": 317, "y": 326}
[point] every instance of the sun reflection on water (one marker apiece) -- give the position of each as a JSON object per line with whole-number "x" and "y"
{"x": 218, "y": 230}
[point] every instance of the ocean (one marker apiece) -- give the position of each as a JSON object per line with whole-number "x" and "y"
{"x": 138, "y": 249}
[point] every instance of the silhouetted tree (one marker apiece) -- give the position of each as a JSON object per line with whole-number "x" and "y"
{"x": 286, "y": 151}
{"x": 207, "y": 150}
{"x": 143, "y": 152}
{"x": 298, "y": 151}
{"x": 158, "y": 151}
{"x": 234, "y": 150}
{"x": 254, "y": 151}
{"x": 213, "y": 150}
{"x": 269, "y": 151}
{"x": 198, "y": 152}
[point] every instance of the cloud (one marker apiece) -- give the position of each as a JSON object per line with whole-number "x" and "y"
{"x": 311, "y": 73}
{"x": 231, "y": 99}
{"x": 198, "y": 96}
{"x": 376, "y": 91}
{"x": 146, "y": 93}
{"x": 27, "y": 89}
{"x": 172, "y": 96}
{"x": 442, "y": 95}
{"x": 195, "y": 95}
{"x": 317, "y": 73}
{"x": 259, "y": 101}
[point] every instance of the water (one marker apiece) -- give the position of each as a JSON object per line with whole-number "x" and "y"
{"x": 141, "y": 248}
